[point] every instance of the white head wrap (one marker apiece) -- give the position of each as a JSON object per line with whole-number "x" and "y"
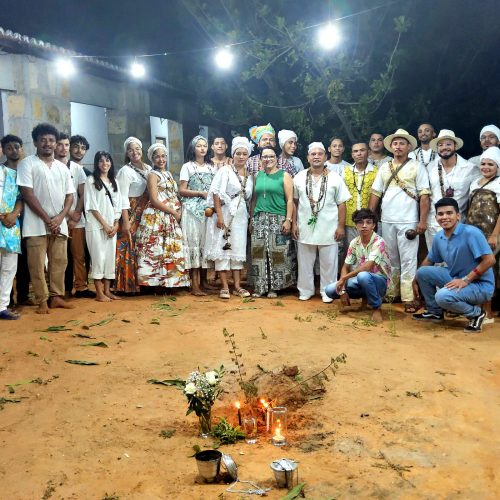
{"x": 129, "y": 140}
{"x": 195, "y": 140}
{"x": 154, "y": 147}
{"x": 490, "y": 128}
{"x": 285, "y": 135}
{"x": 241, "y": 142}
{"x": 492, "y": 153}
{"x": 314, "y": 145}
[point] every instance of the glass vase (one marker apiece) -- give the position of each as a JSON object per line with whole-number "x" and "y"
{"x": 205, "y": 420}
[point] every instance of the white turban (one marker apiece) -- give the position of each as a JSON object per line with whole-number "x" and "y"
{"x": 285, "y": 135}
{"x": 241, "y": 142}
{"x": 490, "y": 128}
{"x": 315, "y": 145}
{"x": 492, "y": 153}
{"x": 130, "y": 140}
{"x": 154, "y": 147}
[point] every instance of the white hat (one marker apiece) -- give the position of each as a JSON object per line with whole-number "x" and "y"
{"x": 286, "y": 135}
{"x": 490, "y": 128}
{"x": 402, "y": 133}
{"x": 315, "y": 145}
{"x": 241, "y": 142}
{"x": 154, "y": 147}
{"x": 130, "y": 140}
{"x": 446, "y": 134}
{"x": 492, "y": 153}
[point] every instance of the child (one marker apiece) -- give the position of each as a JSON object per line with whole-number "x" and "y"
{"x": 103, "y": 208}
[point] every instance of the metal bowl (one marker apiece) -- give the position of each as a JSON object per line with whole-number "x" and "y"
{"x": 230, "y": 466}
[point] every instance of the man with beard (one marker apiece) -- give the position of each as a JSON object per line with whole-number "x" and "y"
{"x": 47, "y": 191}
{"x": 402, "y": 186}
{"x": 489, "y": 136}
{"x": 264, "y": 135}
{"x": 11, "y": 207}
{"x": 318, "y": 221}
{"x": 467, "y": 281}
{"x": 377, "y": 154}
{"x": 424, "y": 153}
{"x": 78, "y": 147}
{"x": 76, "y": 271}
{"x": 450, "y": 176}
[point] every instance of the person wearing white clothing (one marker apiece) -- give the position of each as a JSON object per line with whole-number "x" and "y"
{"x": 402, "y": 186}
{"x": 488, "y": 137}
{"x": 103, "y": 208}
{"x": 377, "y": 154}
{"x": 226, "y": 231}
{"x": 450, "y": 176}
{"x": 288, "y": 144}
{"x": 424, "y": 153}
{"x": 47, "y": 190}
{"x": 335, "y": 163}
{"x": 318, "y": 221}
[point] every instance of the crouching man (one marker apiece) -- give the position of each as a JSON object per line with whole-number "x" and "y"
{"x": 367, "y": 270}
{"x": 467, "y": 282}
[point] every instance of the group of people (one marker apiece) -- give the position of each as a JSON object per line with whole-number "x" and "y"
{"x": 260, "y": 210}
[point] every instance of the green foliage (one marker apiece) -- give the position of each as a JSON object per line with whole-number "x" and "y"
{"x": 225, "y": 433}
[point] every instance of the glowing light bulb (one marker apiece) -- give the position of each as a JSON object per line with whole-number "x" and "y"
{"x": 224, "y": 58}
{"x": 65, "y": 67}
{"x": 137, "y": 70}
{"x": 329, "y": 36}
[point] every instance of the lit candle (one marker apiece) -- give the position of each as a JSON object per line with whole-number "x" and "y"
{"x": 278, "y": 438}
{"x": 238, "y": 406}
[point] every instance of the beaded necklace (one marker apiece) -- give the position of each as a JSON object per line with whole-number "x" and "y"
{"x": 354, "y": 183}
{"x": 449, "y": 192}
{"x": 316, "y": 205}
{"x": 421, "y": 155}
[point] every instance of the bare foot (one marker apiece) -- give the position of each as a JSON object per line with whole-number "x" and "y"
{"x": 364, "y": 305}
{"x": 60, "y": 303}
{"x": 377, "y": 316}
{"x": 112, "y": 296}
{"x": 102, "y": 298}
{"x": 198, "y": 293}
{"x": 43, "y": 308}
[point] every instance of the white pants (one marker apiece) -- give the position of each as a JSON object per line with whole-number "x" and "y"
{"x": 8, "y": 268}
{"x": 350, "y": 234}
{"x": 430, "y": 232}
{"x": 228, "y": 265}
{"x": 403, "y": 255}
{"x": 328, "y": 266}
{"x": 102, "y": 254}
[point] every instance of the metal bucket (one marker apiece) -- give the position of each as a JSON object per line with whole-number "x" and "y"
{"x": 208, "y": 462}
{"x": 286, "y": 473}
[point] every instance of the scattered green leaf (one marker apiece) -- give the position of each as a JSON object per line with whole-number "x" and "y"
{"x": 34, "y": 354}
{"x": 82, "y": 336}
{"x": 417, "y": 395}
{"x": 94, "y": 344}
{"x": 43, "y": 337}
{"x": 278, "y": 303}
{"x": 80, "y": 362}
{"x": 262, "y": 334}
{"x": 175, "y": 382}
{"x": 154, "y": 321}
{"x": 294, "y": 493}
{"x": 55, "y": 328}
{"x": 226, "y": 433}
{"x": 167, "y": 433}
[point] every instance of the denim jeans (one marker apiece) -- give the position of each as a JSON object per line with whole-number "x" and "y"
{"x": 364, "y": 285}
{"x": 466, "y": 301}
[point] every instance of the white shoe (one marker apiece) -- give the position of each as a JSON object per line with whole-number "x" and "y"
{"x": 488, "y": 321}
{"x": 325, "y": 298}
{"x": 304, "y": 297}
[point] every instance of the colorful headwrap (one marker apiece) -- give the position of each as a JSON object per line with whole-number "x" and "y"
{"x": 241, "y": 142}
{"x": 315, "y": 145}
{"x": 286, "y": 135}
{"x": 257, "y": 132}
{"x": 154, "y": 147}
{"x": 130, "y": 140}
{"x": 490, "y": 128}
{"x": 197, "y": 139}
{"x": 492, "y": 153}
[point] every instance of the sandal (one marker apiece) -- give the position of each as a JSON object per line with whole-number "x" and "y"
{"x": 272, "y": 295}
{"x": 224, "y": 293}
{"x": 8, "y": 314}
{"x": 241, "y": 292}
{"x": 413, "y": 306}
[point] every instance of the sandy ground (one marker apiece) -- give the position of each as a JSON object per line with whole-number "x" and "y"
{"x": 429, "y": 396}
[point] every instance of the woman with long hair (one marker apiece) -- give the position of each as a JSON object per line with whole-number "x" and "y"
{"x": 195, "y": 178}
{"x": 226, "y": 237}
{"x": 272, "y": 249}
{"x": 132, "y": 179}
{"x": 102, "y": 211}
{"x": 159, "y": 244}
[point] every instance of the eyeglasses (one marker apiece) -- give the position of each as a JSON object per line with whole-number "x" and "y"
{"x": 268, "y": 158}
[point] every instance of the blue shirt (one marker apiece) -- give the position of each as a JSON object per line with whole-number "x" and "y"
{"x": 462, "y": 252}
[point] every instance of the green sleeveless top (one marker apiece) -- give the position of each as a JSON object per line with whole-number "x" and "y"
{"x": 270, "y": 193}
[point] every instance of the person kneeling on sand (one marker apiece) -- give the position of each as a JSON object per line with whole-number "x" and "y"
{"x": 367, "y": 269}
{"x": 467, "y": 282}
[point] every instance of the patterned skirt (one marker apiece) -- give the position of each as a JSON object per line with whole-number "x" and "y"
{"x": 126, "y": 257}
{"x": 273, "y": 258}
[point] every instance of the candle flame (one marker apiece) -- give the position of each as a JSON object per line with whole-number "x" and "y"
{"x": 237, "y": 404}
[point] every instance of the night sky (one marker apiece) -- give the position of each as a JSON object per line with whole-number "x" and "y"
{"x": 450, "y": 52}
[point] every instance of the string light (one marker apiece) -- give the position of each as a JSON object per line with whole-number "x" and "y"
{"x": 137, "y": 70}
{"x": 329, "y": 36}
{"x": 224, "y": 58}
{"x": 65, "y": 67}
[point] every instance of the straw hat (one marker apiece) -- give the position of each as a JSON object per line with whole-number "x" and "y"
{"x": 446, "y": 134}
{"x": 404, "y": 135}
